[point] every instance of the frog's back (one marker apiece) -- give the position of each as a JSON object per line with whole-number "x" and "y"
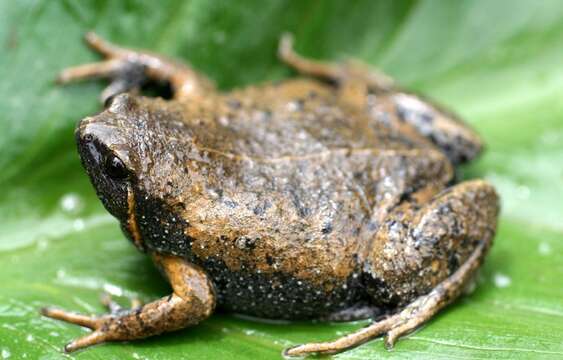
{"x": 300, "y": 118}
{"x": 299, "y": 183}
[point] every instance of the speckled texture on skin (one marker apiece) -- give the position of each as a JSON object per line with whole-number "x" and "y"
{"x": 264, "y": 187}
{"x": 296, "y": 200}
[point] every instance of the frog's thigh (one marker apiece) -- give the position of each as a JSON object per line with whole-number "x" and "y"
{"x": 192, "y": 301}
{"x": 417, "y": 248}
{"x": 460, "y": 220}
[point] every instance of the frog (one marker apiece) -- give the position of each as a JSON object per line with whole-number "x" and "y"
{"x": 328, "y": 196}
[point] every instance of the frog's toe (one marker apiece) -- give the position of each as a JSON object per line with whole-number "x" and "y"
{"x": 102, "y": 69}
{"x": 285, "y": 46}
{"x": 303, "y": 350}
{"x": 101, "y": 327}
{"x": 344, "y": 343}
{"x": 125, "y": 75}
{"x": 70, "y": 317}
{"x": 95, "y": 337}
{"x": 102, "y": 46}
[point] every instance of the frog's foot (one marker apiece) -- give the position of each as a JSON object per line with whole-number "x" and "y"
{"x": 116, "y": 309}
{"x": 99, "y": 325}
{"x": 130, "y": 69}
{"x": 126, "y": 72}
{"x": 415, "y": 314}
{"x": 192, "y": 301}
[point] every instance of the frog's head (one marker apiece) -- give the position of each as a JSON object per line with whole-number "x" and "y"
{"x": 127, "y": 154}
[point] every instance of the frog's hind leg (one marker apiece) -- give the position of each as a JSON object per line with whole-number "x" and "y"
{"x": 415, "y": 261}
{"x": 356, "y": 80}
{"x": 130, "y": 69}
{"x": 344, "y": 73}
{"x": 415, "y": 314}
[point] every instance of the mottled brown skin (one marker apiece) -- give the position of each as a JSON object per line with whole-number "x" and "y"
{"x": 330, "y": 196}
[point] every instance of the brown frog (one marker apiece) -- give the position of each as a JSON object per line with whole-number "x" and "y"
{"x": 330, "y": 196}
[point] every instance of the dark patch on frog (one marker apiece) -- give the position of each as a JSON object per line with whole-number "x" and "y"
{"x": 453, "y": 262}
{"x": 457, "y": 148}
{"x": 327, "y": 228}
{"x": 162, "y": 230}
{"x": 260, "y": 209}
{"x": 245, "y": 242}
{"x": 377, "y": 288}
{"x": 234, "y": 104}
{"x": 302, "y": 210}
{"x": 278, "y": 295}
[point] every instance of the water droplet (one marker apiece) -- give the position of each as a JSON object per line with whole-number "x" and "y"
{"x": 6, "y": 353}
{"x": 61, "y": 273}
{"x": 544, "y": 248}
{"x": 78, "y": 225}
{"x": 523, "y": 192}
{"x": 113, "y": 289}
{"x": 29, "y": 338}
{"x": 71, "y": 203}
{"x": 42, "y": 244}
{"x": 502, "y": 280}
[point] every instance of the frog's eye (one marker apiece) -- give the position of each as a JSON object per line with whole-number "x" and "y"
{"x": 115, "y": 168}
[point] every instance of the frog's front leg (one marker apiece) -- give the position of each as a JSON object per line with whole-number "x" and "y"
{"x": 424, "y": 258}
{"x": 129, "y": 69}
{"x": 191, "y": 301}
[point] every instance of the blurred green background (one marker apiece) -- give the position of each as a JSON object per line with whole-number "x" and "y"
{"x": 498, "y": 63}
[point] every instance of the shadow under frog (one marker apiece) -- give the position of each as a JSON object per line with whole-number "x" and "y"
{"x": 329, "y": 196}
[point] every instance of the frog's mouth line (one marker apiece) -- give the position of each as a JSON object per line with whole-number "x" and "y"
{"x": 132, "y": 225}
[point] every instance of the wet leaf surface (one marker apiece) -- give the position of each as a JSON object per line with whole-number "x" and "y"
{"x": 497, "y": 63}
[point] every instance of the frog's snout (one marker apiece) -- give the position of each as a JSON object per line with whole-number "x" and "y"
{"x": 106, "y": 168}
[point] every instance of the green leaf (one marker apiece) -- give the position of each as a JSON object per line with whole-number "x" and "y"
{"x": 498, "y": 63}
